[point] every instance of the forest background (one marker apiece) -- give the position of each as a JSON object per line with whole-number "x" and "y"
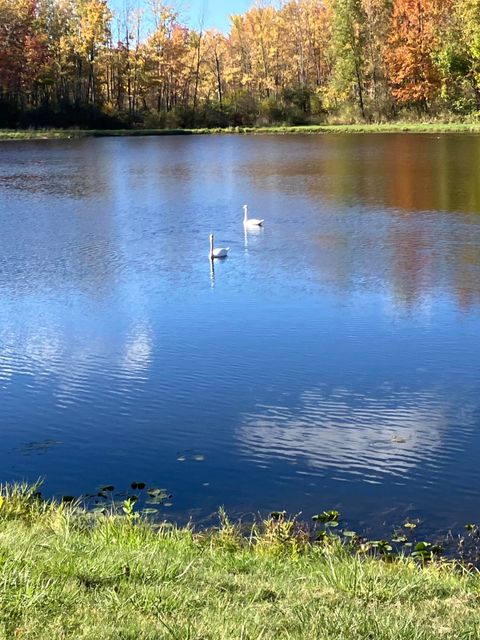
{"x": 87, "y": 64}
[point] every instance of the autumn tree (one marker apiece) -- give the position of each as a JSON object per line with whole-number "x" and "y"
{"x": 304, "y": 35}
{"x": 23, "y": 53}
{"x": 348, "y": 45}
{"x": 467, "y": 16}
{"x": 377, "y": 23}
{"x": 412, "y": 42}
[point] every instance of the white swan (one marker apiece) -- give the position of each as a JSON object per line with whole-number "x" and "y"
{"x": 250, "y": 222}
{"x": 217, "y": 253}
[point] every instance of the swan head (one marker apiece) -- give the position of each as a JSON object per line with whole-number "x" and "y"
{"x": 211, "y": 236}
{"x": 245, "y": 207}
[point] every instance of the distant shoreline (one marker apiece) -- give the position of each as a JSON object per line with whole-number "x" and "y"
{"x": 397, "y": 127}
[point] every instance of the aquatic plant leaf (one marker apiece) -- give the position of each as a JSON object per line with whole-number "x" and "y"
{"x": 327, "y": 517}
{"x": 422, "y": 550}
{"x": 382, "y": 545}
{"x": 157, "y": 493}
{"x": 400, "y": 538}
{"x": 422, "y": 546}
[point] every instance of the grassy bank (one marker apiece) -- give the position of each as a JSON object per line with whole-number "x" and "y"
{"x": 53, "y": 134}
{"x": 68, "y": 574}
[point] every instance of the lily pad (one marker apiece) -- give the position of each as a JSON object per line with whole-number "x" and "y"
{"x": 382, "y": 545}
{"x": 422, "y": 546}
{"x": 400, "y": 538}
{"x": 328, "y": 517}
{"x": 155, "y": 493}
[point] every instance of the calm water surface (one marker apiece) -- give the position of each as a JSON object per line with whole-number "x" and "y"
{"x": 332, "y": 361}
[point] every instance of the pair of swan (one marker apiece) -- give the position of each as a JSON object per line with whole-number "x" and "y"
{"x": 248, "y": 223}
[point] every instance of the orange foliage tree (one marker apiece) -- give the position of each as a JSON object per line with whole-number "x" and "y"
{"x": 411, "y": 43}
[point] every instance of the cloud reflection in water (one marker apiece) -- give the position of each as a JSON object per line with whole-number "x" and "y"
{"x": 354, "y": 436}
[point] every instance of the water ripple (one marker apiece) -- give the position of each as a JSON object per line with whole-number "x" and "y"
{"x": 399, "y": 435}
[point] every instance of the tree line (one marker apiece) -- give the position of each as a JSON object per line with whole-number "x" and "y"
{"x": 78, "y": 63}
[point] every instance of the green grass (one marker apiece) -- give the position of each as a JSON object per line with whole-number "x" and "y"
{"x": 68, "y": 574}
{"x": 397, "y": 127}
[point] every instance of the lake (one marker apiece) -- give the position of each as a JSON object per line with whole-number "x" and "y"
{"x": 331, "y": 361}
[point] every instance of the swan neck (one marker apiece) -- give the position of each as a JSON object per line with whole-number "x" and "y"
{"x": 245, "y": 217}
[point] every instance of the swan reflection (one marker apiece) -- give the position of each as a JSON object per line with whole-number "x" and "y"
{"x": 251, "y": 232}
{"x": 212, "y": 272}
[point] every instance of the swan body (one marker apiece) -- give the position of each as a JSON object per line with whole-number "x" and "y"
{"x": 250, "y": 222}
{"x": 221, "y": 252}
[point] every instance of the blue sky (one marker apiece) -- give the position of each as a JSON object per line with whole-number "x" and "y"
{"x": 216, "y": 11}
